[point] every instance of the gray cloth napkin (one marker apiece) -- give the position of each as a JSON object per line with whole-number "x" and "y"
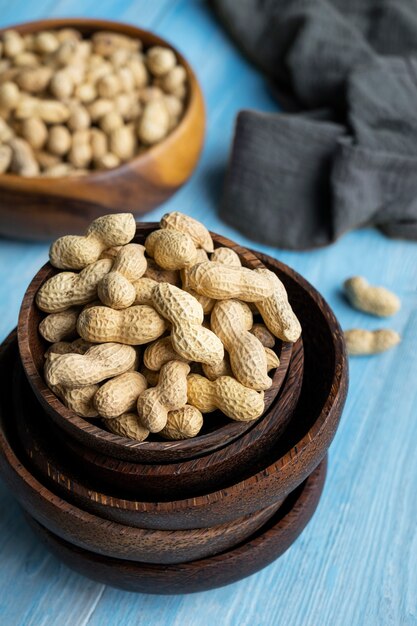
{"x": 345, "y": 155}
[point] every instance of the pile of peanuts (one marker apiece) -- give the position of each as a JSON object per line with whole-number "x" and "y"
{"x": 70, "y": 105}
{"x": 191, "y": 306}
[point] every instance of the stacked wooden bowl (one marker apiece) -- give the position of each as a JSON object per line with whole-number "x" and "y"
{"x": 175, "y": 517}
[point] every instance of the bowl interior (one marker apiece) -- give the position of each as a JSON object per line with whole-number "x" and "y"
{"x": 218, "y": 430}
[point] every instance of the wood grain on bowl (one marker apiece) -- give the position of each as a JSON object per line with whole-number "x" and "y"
{"x": 220, "y": 560}
{"x": 96, "y": 533}
{"x": 218, "y": 432}
{"x": 44, "y": 208}
{"x": 113, "y": 486}
{"x": 269, "y": 543}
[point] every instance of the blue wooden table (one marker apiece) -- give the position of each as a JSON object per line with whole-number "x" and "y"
{"x": 356, "y": 563}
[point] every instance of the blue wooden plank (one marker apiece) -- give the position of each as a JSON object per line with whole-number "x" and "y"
{"x": 355, "y": 563}
{"x": 36, "y": 589}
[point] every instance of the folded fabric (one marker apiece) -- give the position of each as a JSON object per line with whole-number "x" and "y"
{"x": 348, "y": 157}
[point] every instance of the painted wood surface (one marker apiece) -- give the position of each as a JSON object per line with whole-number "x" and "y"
{"x": 356, "y": 562}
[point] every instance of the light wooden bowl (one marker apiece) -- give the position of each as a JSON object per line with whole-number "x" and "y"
{"x": 218, "y": 432}
{"x": 44, "y": 208}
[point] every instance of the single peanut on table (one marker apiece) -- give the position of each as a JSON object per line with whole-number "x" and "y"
{"x": 363, "y": 342}
{"x": 375, "y": 300}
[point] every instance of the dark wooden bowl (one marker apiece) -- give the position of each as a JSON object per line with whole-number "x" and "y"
{"x": 219, "y": 431}
{"x": 113, "y": 486}
{"x": 118, "y": 540}
{"x": 44, "y": 208}
{"x": 270, "y": 542}
{"x": 293, "y": 458}
{"x": 99, "y": 539}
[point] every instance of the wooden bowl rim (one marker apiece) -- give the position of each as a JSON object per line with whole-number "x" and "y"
{"x": 231, "y": 430}
{"x": 152, "y": 152}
